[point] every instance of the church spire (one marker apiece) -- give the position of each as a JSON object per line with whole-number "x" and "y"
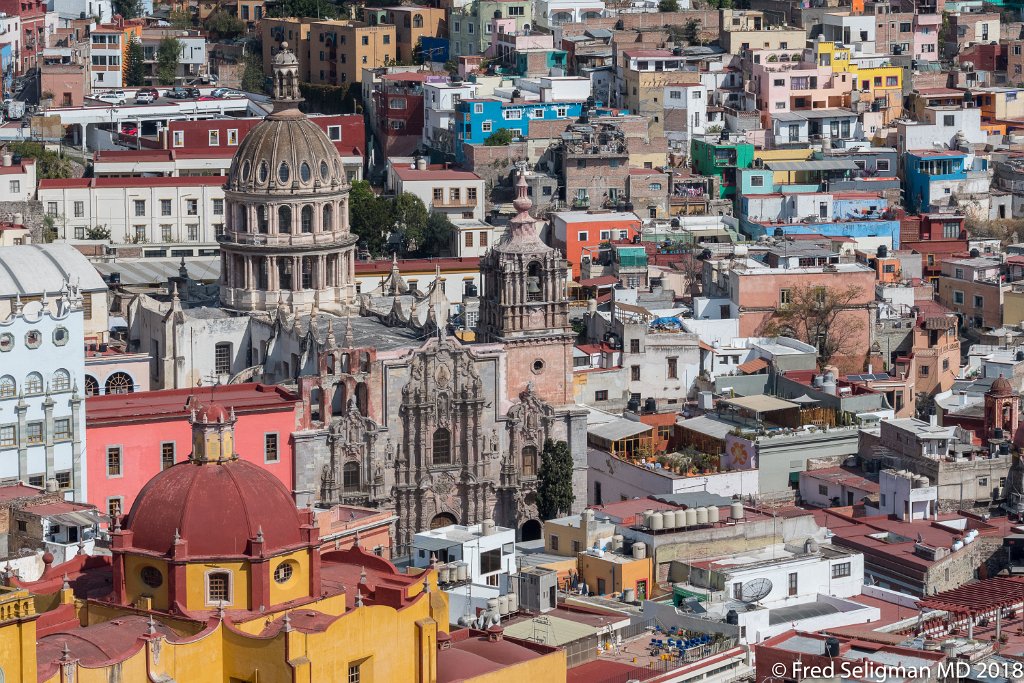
{"x": 523, "y": 227}
{"x": 285, "y": 68}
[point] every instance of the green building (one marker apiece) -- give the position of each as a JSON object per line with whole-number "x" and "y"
{"x": 722, "y": 159}
{"x": 470, "y": 28}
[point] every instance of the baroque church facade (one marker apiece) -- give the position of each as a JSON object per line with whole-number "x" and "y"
{"x": 399, "y": 413}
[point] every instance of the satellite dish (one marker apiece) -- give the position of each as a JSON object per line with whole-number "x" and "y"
{"x": 755, "y": 589}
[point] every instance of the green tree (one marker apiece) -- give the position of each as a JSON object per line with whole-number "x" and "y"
{"x": 370, "y": 217}
{"x": 50, "y": 232}
{"x": 168, "y": 53}
{"x": 129, "y": 9}
{"x": 409, "y": 216}
{"x": 323, "y": 9}
{"x": 97, "y": 233}
{"x": 49, "y": 164}
{"x": 224, "y": 25}
{"x": 253, "y": 78}
{"x": 554, "y": 488}
{"x": 691, "y": 31}
{"x": 668, "y": 6}
{"x": 180, "y": 18}
{"x": 499, "y": 138}
{"x": 437, "y": 236}
{"x": 134, "y": 68}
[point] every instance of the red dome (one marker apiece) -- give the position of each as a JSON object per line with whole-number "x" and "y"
{"x": 212, "y": 412}
{"x": 1001, "y": 387}
{"x": 216, "y": 507}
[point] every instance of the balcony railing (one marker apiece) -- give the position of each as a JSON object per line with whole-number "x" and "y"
{"x": 453, "y": 203}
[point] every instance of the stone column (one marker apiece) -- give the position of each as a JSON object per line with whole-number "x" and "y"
{"x": 296, "y": 273}
{"x": 48, "y": 435}
{"x": 21, "y": 410}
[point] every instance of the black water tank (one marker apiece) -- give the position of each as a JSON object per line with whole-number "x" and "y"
{"x": 779, "y": 232}
{"x": 650, "y": 405}
{"x": 882, "y": 251}
{"x": 1018, "y": 356}
{"x": 634, "y": 405}
{"x": 832, "y": 647}
{"x": 975, "y": 253}
{"x": 997, "y": 433}
{"x": 732, "y": 617}
{"x": 471, "y": 289}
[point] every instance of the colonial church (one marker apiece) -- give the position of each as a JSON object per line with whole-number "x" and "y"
{"x": 399, "y": 414}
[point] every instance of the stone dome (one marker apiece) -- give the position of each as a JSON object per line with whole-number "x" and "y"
{"x": 217, "y": 507}
{"x": 286, "y": 154}
{"x": 1001, "y": 387}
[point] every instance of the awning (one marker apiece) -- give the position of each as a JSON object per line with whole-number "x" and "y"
{"x": 760, "y": 403}
{"x": 752, "y": 366}
{"x": 601, "y": 281}
{"x": 433, "y": 544}
{"x": 804, "y": 400}
{"x": 789, "y": 116}
{"x": 813, "y": 165}
{"x": 80, "y": 519}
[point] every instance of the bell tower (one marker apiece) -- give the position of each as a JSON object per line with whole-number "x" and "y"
{"x": 524, "y": 306}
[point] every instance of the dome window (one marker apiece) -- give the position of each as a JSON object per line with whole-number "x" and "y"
{"x": 325, "y": 170}
{"x": 264, "y": 172}
{"x": 283, "y": 572}
{"x": 283, "y": 173}
{"x": 151, "y": 576}
{"x": 246, "y": 167}
{"x": 304, "y": 172}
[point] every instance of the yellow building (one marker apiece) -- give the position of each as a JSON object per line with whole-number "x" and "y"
{"x": 216, "y": 577}
{"x": 277, "y": 31}
{"x": 611, "y": 572}
{"x": 339, "y": 50}
{"x": 878, "y": 85}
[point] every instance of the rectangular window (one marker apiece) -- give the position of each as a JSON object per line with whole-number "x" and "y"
{"x": 486, "y": 126}
{"x": 166, "y": 454}
{"x": 490, "y": 561}
{"x": 601, "y": 395}
{"x": 471, "y": 194}
{"x": 222, "y": 358}
{"x": 334, "y": 133}
{"x": 634, "y": 346}
{"x": 79, "y": 209}
{"x": 634, "y": 373}
{"x": 822, "y": 490}
{"x": 113, "y": 461}
{"x": 483, "y": 239}
{"x": 8, "y": 436}
{"x": 757, "y": 181}
{"x": 270, "y": 453}
{"x": 214, "y": 138}
{"x": 232, "y": 137}
{"x": 785, "y": 297}
{"x": 62, "y": 429}
{"x": 15, "y": 186}
{"x": 840, "y": 570}
{"x": 165, "y": 233}
{"x": 554, "y": 542}
{"x": 63, "y": 479}
{"x": 673, "y": 368}
{"x": 217, "y": 587}
{"x": 193, "y": 232}
{"x": 192, "y": 207}
{"x": 792, "y": 584}
{"x": 178, "y": 138}
{"x": 958, "y": 297}
{"x": 979, "y": 301}
{"x": 218, "y": 207}
{"x": 34, "y": 433}
{"x": 353, "y": 674}
{"x": 925, "y": 370}
{"x": 165, "y": 207}
{"x": 469, "y": 238}
{"x": 891, "y": 81}
{"x": 582, "y": 236}
{"x": 140, "y": 207}
{"x": 114, "y": 506}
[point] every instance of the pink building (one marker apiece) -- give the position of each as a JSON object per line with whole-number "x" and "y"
{"x": 792, "y": 79}
{"x": 132, "y": 437}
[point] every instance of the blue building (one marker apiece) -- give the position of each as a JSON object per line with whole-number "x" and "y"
{"x": 7, "y": 68}
{"x": 929, "y": 177}
{"x": 478, "y": 119}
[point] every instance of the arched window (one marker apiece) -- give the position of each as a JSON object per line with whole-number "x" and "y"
{"x": 92, "y": 387}
{"x": 529, "y": 461}
{"x": 61, "y": 380}
{"x": 340, "y": 400}
{"x": 120, "y": 383}
{"x": 243, "y": 219}
{"x": 284, "y": 219}
{"x": 362, "y": 398}
{"x": 442, "y": 446}
{"x": 34, "y": 383}
{"x": 316, "y": 397}
{"x": 8, "y": 387}
{"x": 417, "y": 21}
{"x": 328, "y": 218}
{"x": 350, "y": 477}
{"x": 218, "y": 588}
{"x": 261, "y": 219}
{"x": 443, "y": 519}
{"x": 307, "y": 219}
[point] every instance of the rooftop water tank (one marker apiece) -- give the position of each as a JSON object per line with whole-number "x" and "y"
{"x": 691, "y": 517}
{"x": 657, "y": 522}
{"x": 736, "y": 510}
{"x": 702, "y": 516}
{"x": 639, "y": 551}
{"x": 713, "y": 514}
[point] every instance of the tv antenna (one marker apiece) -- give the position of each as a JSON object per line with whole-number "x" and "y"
{"x": 755, "y": 590}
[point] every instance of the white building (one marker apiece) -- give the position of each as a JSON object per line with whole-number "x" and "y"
{"x": 487, "y": 551}
{"x": 943, "y": 125}
{"x": 10, "y": 34}
{"x": 457, "y": 194}
{"x": 551, "y": 13}
{"x": 472, "y": 238}
{"x": 105, "y": 54}
{"x": 686, "y": 113}
{"x": 193, "y": 59}
{"x": 42, "y": 381}
{"x": 68, "y": 11}
{"x": 40, "y": 272}
{"x": 855, "y": 30}
{"x": 138, "y": 210}
{"x": 439, "y": 101}
{"x": 17, "y": 182}
{"x": 907, "y": 495}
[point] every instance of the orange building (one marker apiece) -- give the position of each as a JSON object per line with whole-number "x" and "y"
{"x": 579, "y": 233}
{"x": 413, "y": 23}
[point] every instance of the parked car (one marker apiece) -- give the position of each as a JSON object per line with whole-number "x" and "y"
{"x": 112, "y": 97}
{"x": 226, "y": 92}
{"x": 146, "y": 96}
{"x": 177, "y": 93}
{"x": 193, "y": 93}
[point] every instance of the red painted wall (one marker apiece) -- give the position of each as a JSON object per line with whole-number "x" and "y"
{"x": 140, "y": 450}
{"x": 197, "y": 133}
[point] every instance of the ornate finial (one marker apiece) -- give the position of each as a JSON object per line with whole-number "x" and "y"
{"x": 65, "y": 653}
{"x": 362, "y": 575}
{"x": 151, "y": 625}
{"x": 355, "y": 541}
{"x": 177, "y": 535}
{"x": 182, "y": 269}
{"x": 67, "y": 583}
{"x": 259, "y": 534}
{"x": 17, "y": 311}
{"x": 349, "y": 340}
{"x": 117, "y": 522}
{"x": 45, "y": 300}
{"x": 287, "y": 628}
{"x": 359, "y": 598}
{"x": 220, "y": 612}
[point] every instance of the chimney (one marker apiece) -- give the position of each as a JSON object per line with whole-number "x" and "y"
{"x": 933, "y": 420}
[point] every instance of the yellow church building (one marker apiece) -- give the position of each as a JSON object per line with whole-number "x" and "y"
{"x": 216, "y": 577}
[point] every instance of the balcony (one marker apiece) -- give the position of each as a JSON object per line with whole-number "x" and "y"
{"x": 454, "y": 203}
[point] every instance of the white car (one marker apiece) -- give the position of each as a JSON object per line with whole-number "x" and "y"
{"x": 145, "y": 97}
{"x": 112, "y": 97}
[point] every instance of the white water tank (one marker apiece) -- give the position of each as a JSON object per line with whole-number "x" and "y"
{"x": 713, "y": 514}
{"x": 503, "y": 604}
{"x": 702, "y": 516}
{"x": 639, "y": 551}
{"x": 736, "y": 510}
{"x": 444, "y": 574}
{"x": 669, "y": 519}
{"x": 657, "y": 522}
{"x": 648, "y": 516}
{"x": 617, "y": 542}
{"x": 691, "y": 517}
{"x": 957, "y": 545}
{"x": 487, "y": 527}
{"x": 680, "y": 516}
{"x": 461, "y": 571}
{"x": 513, "y": 603}
{"x": 628, "y": 595}
{"x": 493, "y": 605}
